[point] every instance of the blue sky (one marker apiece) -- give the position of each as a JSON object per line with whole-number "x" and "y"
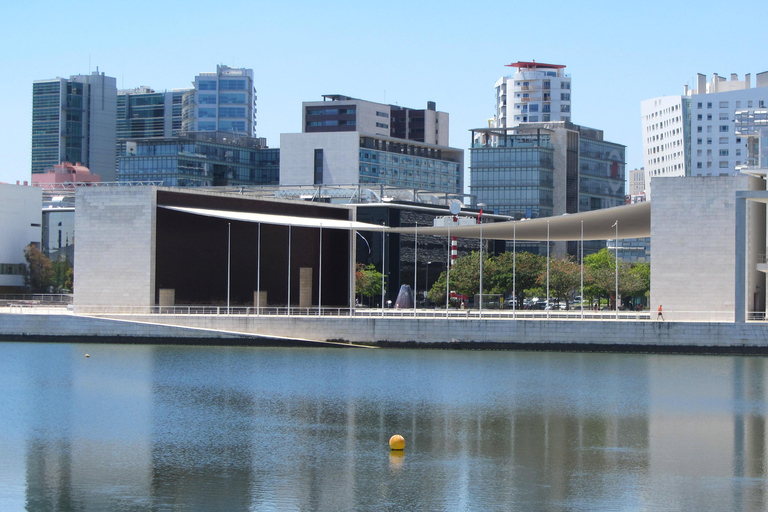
{"x": 399, "y": 52}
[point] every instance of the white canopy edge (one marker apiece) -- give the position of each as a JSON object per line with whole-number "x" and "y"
{"x": 282, "y": 220}
{"x": 634, "y": 221}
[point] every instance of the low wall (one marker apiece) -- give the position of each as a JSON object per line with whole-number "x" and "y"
{"x": 491, "y": 333}
{"x": 614, "y": 335}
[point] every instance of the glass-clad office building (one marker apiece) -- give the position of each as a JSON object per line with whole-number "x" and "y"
{"x": 200, "y": 160}
{"x": 544, "y": 169}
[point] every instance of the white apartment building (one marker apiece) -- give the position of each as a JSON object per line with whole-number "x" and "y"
{"x": 636, "y": 185}
{"x": 716, "y": 149}
{"x": 693, "y": 134}
{"x": 665, "y": 122}
{"x": 535, "y": 93}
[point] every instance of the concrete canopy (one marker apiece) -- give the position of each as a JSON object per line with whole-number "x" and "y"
{"x": 280, "y": 220}
{"x": 634, "y": 221}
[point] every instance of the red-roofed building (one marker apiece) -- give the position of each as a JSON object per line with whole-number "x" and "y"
{"x": 64, "y": 175}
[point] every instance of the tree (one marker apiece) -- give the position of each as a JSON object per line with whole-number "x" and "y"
{"x": 465, "y": 277}
{"x": 62, "y": 276}
{"x": 367, "y": 280}
{"x": 520, "y": 271}
{"x": 564, "y": 278}
{"x": 38, "y": 273}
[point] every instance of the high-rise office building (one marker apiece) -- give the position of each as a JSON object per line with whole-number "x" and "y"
{"x": 224, "y": 101}
{"x": 535, "y": 93}
{"x": 74, "y": 120}
{"x": 347, "y": 141}
{"x": 545, "y": 169}
{"x": 693, "y": 134}
{"x": 145, "y": 113}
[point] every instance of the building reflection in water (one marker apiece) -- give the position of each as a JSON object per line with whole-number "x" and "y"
{"x": 286, "y": 429}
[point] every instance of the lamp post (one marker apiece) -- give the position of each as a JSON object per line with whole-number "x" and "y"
{"x": 426, "y": 283}
{"x": 616, "y": 248}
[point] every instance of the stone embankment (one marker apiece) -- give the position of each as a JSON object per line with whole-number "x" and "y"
{"x": 465, "y": 333}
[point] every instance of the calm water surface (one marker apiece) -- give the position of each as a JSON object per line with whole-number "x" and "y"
{"x": 212, "y": 428}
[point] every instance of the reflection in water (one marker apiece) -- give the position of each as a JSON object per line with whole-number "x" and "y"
{"x": 204, "y": 428}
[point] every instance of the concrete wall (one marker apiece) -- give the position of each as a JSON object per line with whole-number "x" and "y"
{"x": 341, "y": 157}
{"x": 115, "y": 261}
{"x": 693, "y": 234}
{"x": 20, "y": 219}
{"x": 402, "y": 330}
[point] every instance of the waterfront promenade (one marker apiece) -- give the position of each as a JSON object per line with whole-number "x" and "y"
{"x": 600, "y": 331}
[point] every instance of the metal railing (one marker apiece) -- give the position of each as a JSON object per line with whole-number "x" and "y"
{"x": 37, "y": 298}
{"x": 500, "y": 314}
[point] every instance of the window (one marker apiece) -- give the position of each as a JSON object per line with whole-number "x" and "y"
{"x": 723, "y": 140}
{"x": 206, "y": 112}
{"x": 232, "y": 85}
{"x": 723, "y": 128}
{"x": 565, "y": 85}
{"x": 232, "y": 97}
{"x": 723, "y": 104}
{"x": 207, "y": 99}
{"x": 709, "y": 104}
{"x": 698, "y": 165}
{"x": 709, "y": 141}
{"x": 382, "y": 114}
{"x": 565, "y": 96}
{"x": 206, "y": 126}
{"x": 382, "y": 125}
{"x": 698, "y": 118}
{"x": 206, "y": 85}
{"x": 318, "y": 167}
{"x": 723, "y": 164}
{"x": 545, "y": 108}
{"x": 723, "y": 152}
{"x": 709, "y": 117}
{"x": 565, "y": 108}
{"x": 698, "y": 105}
{"x": 533, "y": 119}
{"x": 698, "y": 129}
{"x": 546, "y": 84}
{"x": 723, "y": 116}
{"x": 709, "y": 129}
{"x": 545, "y": 117}
{"x": 533, "y": 108}
{"x": 698, "y": 141}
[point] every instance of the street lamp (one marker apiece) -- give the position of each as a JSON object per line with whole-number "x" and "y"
{"x": 426, "y": 283}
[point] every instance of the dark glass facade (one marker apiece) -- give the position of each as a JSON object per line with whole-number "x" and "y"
{"x": 57, "y": 123}
{"x": 384, "y": 162}
{"x": 198, "y": 163}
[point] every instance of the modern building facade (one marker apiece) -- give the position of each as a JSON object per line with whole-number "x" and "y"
{"x": 200, "y": 159}
{"x": 537, "y": 92}
{"x": 346, "y": 141}
{"x": 693, "y": 134}
{"x": 74, "y": 120}
{"x": 223, "y": 101}
{"x": 144, "y": 113}
{"x": 666, "y": 124}
{"x": 546, "y": 169}
{"x": 19, "y": 226}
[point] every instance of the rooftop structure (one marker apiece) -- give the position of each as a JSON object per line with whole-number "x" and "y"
{"x": 64, "y": 175}
{"x": 537, "y": 92}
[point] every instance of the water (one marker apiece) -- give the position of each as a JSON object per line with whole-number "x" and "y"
{"x": 217, "y": 428}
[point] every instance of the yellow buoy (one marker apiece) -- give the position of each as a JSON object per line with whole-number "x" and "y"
{"x": 86, "y": 355}
{"x": 397, "y": 442}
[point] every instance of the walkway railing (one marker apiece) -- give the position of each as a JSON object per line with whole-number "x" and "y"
{"x": 504, "y": 314}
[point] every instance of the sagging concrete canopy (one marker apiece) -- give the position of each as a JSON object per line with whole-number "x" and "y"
{"x": 279, "y": 220}
{"x": 634, "y": 221}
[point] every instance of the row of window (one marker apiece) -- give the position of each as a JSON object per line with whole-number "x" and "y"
{"x": 210, "y": 99}
{"x": 332, "y": 111}
{"x": 724, "y": 104}
{"x": 12, "y": 269}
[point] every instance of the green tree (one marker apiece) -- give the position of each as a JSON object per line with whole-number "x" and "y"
{"x": 564, "y": 278}
{"x": 38, "y": 273}
{"x": 367, "y": 280}
{"x": 520, "y": 272}
{"x": 62, "y": 276}
{"x": 465, "y": 277}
